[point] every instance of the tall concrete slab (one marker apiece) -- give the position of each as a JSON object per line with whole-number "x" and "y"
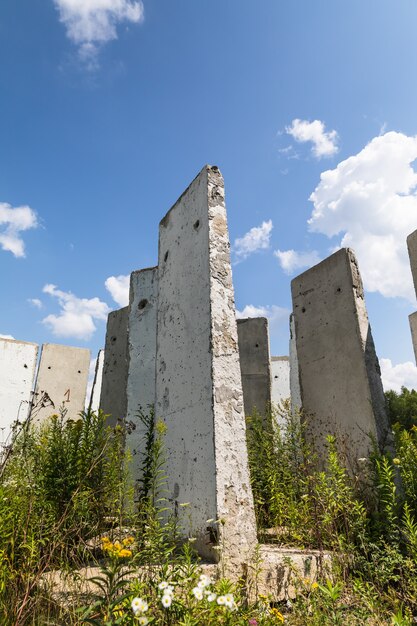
{"x": 340, "y": 381}
{"x": 280, "y": 376}
{"x": 198, "y": 382}
{"x": 141, "y": 359}
{"x": 413, "y": 327}
{"x": 61, "y": 381}
{"x": 295, "y": 391}
{"x": 412, "y": 253}
{"x": 17, "y": 371}
{"x": 94, "y": 403}
{"x": 113, "y": 397}
{"x": 255, "y": 365}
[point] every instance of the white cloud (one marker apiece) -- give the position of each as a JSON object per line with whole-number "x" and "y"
{"x": 6, "y": 337}
{"x": 256, "y": 239}
{"x": 35, "y": 302}
{"x": 13, "y": 221}
{"x": 396, "y": 376}
{"x": 324, "y": 143}
{"x": 370, "y": 199}
{"x": 275, "y": 314}
{"x": 290, "y": 260}
{"x": 77, "y": 315}
{"x": 118, "y": 286}
{"x": 92, "y": 23}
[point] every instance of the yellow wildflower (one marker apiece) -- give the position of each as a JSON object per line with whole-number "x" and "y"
{"x": 123, "y": 554}
{"x": 277, "y": 614}
{"x": 314, "y": 586}
{"x": 127, "y": 541}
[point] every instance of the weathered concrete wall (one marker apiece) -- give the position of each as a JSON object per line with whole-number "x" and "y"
{"x": 280, "y": 373}
{"x": 94, "y": 403}
{"x": 198, "y": 382}
{"x": 339, "y": 371}
{"x": 17, "y": 371}
{"x": 412, "y": 253}
{"x": 113, "y": 397}
{"x": 295, "y": 391}
{"x": 61, "y": 381}
{"x": 141, "y": 359}
{"x": 255, "y": 365}
{"x": 413, "y": 327}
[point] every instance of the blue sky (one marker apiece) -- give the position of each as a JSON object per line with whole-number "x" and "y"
{"x": 109, "y": 108}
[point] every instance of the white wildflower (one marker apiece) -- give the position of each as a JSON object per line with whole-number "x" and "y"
{"x": 229, "y": 601}
{"x": 166, "y": 600}
{"x": 163, "y": 585}
{"x": 198, "y": 593}
{"x": 204, "y": 581}
{"x": 143, "y": 621}
{"x": 221, "y": 600}
{"x": 139, "y": 606}
{"x": 211, "y": 597}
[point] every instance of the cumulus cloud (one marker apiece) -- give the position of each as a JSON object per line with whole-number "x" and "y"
{"x": 396, "y": 376}
{"x": 370, "y": 200}
{"x": 92, "y": 23}
{"x": 77, "y": 315}
{"x": 276, "y": 315}
{"x": 324, "y": 143}
{"x": 14, "y": 221}
{"x": 290, "y": 260}
{"x": 118, "y": 287}
{"x": 35, "y": 302}
{"x": 6, "y": 337}
{"x": 256, "y": 239}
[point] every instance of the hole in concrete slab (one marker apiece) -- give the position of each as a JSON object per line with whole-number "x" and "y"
{"x": 49, "y": 367}
{"x": 79, "y": 371}
{"x": 338, "y": 290}
{"x": 303, "y": 310}
{"x": 196, "y": 225}
{"x": 256, "y": 345}
{"x": 113, "y": 339}
{"x": 25, "y": 366}
{"x": 166, "y": 256}
{"x": 275, "y": 376}
{"x": 142, "y": 304}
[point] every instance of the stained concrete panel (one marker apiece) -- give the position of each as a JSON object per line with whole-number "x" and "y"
{"x": 339, "y": 371}
{"x": 412, "y": 253}
{"x": 198, "y": 382}
{"x": 280, "y": 376}
{"x": 113, "y": 397}
{"x": 94, "y": 403}
{"x": 295, "y": 391}
{"x": 61, "y": 381}
{"x": 255, "y": 365}
{"x": 413, "y": 327}
{"x": 17, "y": 371}
{"x": 141, "y": 359}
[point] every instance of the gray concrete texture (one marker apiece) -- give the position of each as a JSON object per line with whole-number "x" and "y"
{"x": 413, "y": 327}
{"x": 412, "y": 253}
{"x": 94, "y": 403}
{"x": 141, "y": 359}
{"x": 198, "y": 382}
{"x": 280, "y": 377}
{"x": 339, "y": 372}
{"x": 17, "y": 371}
{"x": 295, "y": 391}
{"x": 61, "y": 381}
{"x": 253, "y": 338}
{"x": 113, "y": 397}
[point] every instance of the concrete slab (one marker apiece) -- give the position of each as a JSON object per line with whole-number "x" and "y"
{"x": 413, "y": 327}
{"x": 94, "y": 403}
{"x": 412, "y": 253}
{"x": 295, "y": 391}
{"x": 339, "y": 371}
{"x": 255, "y": 365}
{"x": 17, "y": 371}
{"x": 280, "y": 375}
{"x": 198, "y": 382}
{"x": 61, "y": 381}
{"x": 113, "y": 397}
{"x": 141, "y": 359}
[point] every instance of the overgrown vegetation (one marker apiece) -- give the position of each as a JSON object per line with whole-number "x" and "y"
{"x": 67, "y": 501}
{"x": 402, "y": 407}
